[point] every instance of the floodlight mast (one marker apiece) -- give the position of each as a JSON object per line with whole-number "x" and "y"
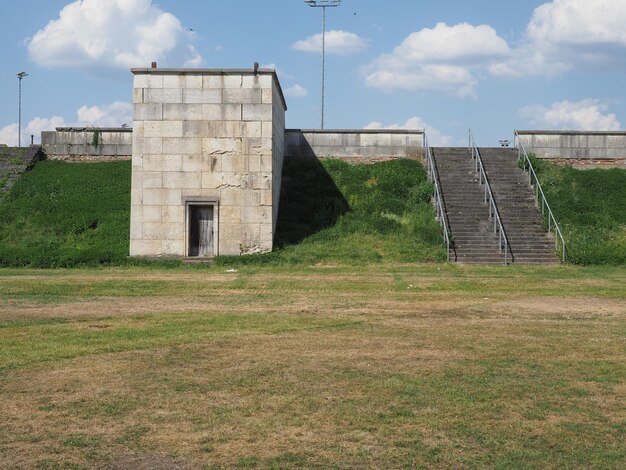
{"x": 20, "y": 76}
{"x": 323, "y": 4}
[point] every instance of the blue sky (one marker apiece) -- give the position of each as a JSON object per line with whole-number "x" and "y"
{"x": 445, "y": 66}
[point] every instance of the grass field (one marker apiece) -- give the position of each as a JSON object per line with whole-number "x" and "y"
{"x": 375, "y": 366}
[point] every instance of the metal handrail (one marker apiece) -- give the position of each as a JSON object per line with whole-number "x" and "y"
{"x": 552, "y": 224}
{"x": 498, "y": 227}
{"x": 433, "y": 176}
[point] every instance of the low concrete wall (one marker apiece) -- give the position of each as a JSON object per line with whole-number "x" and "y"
{"x": 577, "y": 147}
{"x": 74, "y": 143}
{"x": 77, "y": 143}
{"x": 354, "y": 144}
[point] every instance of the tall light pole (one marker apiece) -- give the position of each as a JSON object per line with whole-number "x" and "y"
{"x": 20, "y": 75}
{"x": 323, "y": 4}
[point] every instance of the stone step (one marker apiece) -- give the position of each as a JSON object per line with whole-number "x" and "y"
{"x": 472, "y": 229}
{"x": 10, "y": 169}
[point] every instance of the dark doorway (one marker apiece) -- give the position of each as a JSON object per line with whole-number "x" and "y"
{"x": 201, "y": 230}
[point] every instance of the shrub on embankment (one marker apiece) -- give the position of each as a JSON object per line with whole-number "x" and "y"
{"x": 590, "y": 207}
{"x": 77, "y": 214}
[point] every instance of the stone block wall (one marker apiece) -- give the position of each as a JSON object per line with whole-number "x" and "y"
{"x": 205, "y": 136}
{"x": 79, "y": 143}
{"x": 354, "y": 144}
{"x": 278, "y": 147}
{"x": 577, "y": 147}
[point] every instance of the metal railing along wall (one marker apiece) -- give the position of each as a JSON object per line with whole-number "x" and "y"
{"x": 433, "y": 176}
{"x": 545, "y": 207}
{"x": 493, "y": 209}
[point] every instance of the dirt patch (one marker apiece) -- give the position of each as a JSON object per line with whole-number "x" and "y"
{"x": 126, "y": 461}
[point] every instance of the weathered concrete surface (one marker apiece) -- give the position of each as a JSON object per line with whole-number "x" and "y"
{"x": 354, "y": 144}
{"x": 584, "y": 148}
{"x": 81, "y": 144}
{"x": 210, "y": 137}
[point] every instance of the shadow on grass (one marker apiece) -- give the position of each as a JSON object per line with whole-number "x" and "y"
{"x": 309, "y": 201}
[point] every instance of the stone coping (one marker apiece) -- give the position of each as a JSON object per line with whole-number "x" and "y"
{"x": 308, "y": 131}
{"x": 552, "y": 132}
{"x": 357, "y": 131}
{"x": 93, "y": 128}
{"x": 183, "y": 71}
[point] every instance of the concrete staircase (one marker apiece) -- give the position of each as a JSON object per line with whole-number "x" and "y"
{"x": 14, "y": 161}
{"x": 530, "y": 243}
{"x": 472, "y": 231}
{"x": 474, "y": 240}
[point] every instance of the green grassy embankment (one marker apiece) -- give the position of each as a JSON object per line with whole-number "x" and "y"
{"x": 590, "y": 207}
{"x": 334, "y": 211}
{"x": 77, "y": 214}
{"x": 62, "y": 214}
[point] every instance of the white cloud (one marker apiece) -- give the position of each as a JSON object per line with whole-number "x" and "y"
{"x": 297, "y": 91}
{"x": 113, "y": 33}
{"x": 566, "y": 34}
{"x": 442, "y": 78}
{"x": 111, "y": 115}
{"x": 337, "y": 42}
{"x": 587, "y": 115}
{"x": 439, "y": 59}
{"x": 461, "y": 43}
{"x": 579, "y": 22}
{"x": 9, "y": 133}
{"x": 435, "y": 136}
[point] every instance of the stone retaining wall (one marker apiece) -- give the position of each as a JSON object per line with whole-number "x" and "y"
{"x": 584, "y": 148}
{"x": 354, "y": 144}
{"x": 76, "y": 143}
{"x": 88, "y": 143}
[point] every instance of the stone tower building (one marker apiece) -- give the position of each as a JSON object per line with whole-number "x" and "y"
{"x": 207, "y": 156}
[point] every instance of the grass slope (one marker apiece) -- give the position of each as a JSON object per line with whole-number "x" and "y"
{"x": 590, "y": 207}
{"x": 72, "y": 214}
{"x": 62, "y": 214}
{"x": 333, "y": 211}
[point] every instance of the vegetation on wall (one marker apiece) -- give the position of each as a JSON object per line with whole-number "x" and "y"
{"x": 96, "y": 138}
{"x": 590, "y": 207}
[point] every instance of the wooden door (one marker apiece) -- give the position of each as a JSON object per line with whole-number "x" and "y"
{"x": 201, "y": 231}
